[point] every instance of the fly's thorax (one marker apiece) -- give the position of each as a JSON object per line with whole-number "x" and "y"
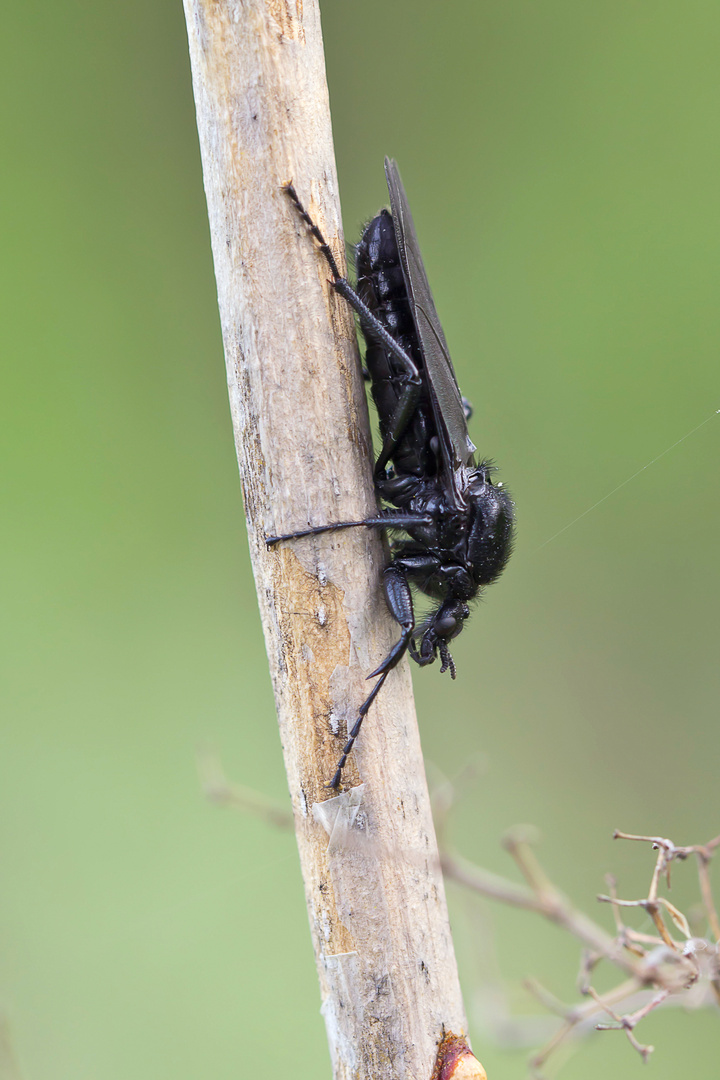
{"x": 490, "y": 526}
{"x": 429, "y": 500}
{"x": 449, "y": 583}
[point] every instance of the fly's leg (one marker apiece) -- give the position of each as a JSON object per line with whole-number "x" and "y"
{"x": 404, "y": 412}
{"x": 355, "y": 731}
{"x": 399, "y": 601}
{"x": 412, "y": 380}
{"x": 343, "y": 286}
{"x": 385, "y": 521}
{"x": 292, "y": 194}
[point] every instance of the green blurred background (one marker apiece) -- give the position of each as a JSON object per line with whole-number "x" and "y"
{"x": 562, "y": 164}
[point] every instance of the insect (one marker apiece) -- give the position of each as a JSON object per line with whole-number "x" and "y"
{"x": 453, "y": 525}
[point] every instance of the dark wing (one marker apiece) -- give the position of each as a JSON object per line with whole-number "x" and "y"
{"x": 457, "y": 449}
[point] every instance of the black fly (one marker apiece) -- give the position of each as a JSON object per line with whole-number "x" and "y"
{"x": 458, "y": 525}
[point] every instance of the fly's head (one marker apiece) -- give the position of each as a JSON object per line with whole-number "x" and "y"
{"x": 490, "y": 526}
{"x": 437, "y": 631}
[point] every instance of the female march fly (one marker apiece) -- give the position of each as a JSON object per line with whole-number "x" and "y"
{"x": 457, "y": 524}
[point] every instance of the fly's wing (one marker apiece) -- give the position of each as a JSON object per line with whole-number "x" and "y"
{"x": 457, "y": 449}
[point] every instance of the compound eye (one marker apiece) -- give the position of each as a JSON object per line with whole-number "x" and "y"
{"x": 446, "y": 626}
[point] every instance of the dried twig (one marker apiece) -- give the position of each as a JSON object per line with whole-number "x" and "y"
{"x": 379, "y": 921}
{"x": 627, "y": 1023}
{"x": 218, "y": 789}
{"x": 660, "y": 967}
{"x": 546, "y": 901}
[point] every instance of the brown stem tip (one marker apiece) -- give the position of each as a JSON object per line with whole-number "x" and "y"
{"x": 455, "y": 1060}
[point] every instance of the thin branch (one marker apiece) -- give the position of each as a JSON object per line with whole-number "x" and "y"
{"x": 658, "y": 963}
{"x": 377, "y": 912}
{"x": 704, "y": 854}
{"x": 551, "y": 904}
{"x": 218, "y": 789}
{"x": 625, "y": 935}
{"x": 627, "y": 1023}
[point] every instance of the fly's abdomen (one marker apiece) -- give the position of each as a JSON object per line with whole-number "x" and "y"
{"x": 382, "y": 286}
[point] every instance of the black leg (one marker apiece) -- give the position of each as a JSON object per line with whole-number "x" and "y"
{"x": 362, "y": 712}
{"x": 399, "y": 600}
{"x": 387, "y": 521}
{"x": 417, "y": 566}
{"x": 406, "y": 406}
{"x": 292, "y": 194}
{"x": 412, "y": 380}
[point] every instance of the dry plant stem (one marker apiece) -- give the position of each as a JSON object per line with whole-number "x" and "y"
{"x": 628, "y": 1023}
{"x": 669, "y": 851}
{"x": 654, "y": 963}
{"x": 572, "y": 1015}
{"x": 706, "y": 893}
{"x": 550, "y": 903}
{"x": 218, "y": 789}
{"x": 377, "y": 909}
